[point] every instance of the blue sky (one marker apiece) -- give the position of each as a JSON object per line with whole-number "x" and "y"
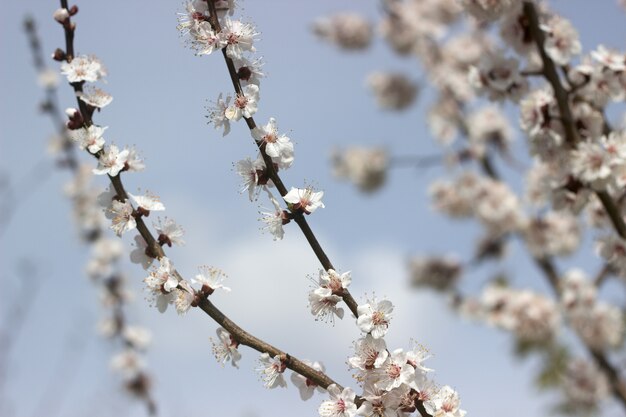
{"x": 317, "y": 94}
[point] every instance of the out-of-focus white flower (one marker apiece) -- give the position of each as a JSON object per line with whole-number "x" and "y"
{"x": 393, "y": 91}
{"x": 366, "y": 168}
{"x": 498, "y": 77}
{"x": 437, "y": 272}
{"x": 349, "y": 31}
{"x": 562, "y": 41}
{"x": 129, "y": 363}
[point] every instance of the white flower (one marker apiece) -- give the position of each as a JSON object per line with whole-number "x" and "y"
{"x": 274, "y": 220}
{"x": 349, "y": 31}
{"x": 591, "y": 163}
{"x": 488, "y": 126}
{"x": 239, "y": 37}
{"x": 323, "y": 304}
{"x": 612, "y": 248}
{"x": 122, "y": 217}
{"x": 333, "y": 281}
{"x": 585, "y": 385}
{"x": 370, "y": 353}
{"x": 217, "y": 114}
{"x": 128, "y": 363}
{"x": 226, "y": 349}
{"x": 304, "y": 384}
{"x": 271, "y": 371}
{"x": 134, "y": 163}
{"x": 437, "y": 272}
{"x": 249, "y": 171}
{"x": 169, "y": 232}
{"x": 341, "y": 403}
{"x": 249, "y": 72}
{"x": 147, "y": 202}
{"x": 136, "y": 336}
{"x": 205, "y": 40}
{"x": 48, "y": 78}
{"x": 445, "y": 403}
{"x": 196, "y": 13}
{"x": 487, "y": 9}
{"x": 244, "y": 105}
{"x": 615, "y": 61}
{"x": 416, "y": 356}
{"x": 393, "y": 91}
{"x": 89, "y": 138}
{"x": 105, "y": 199}
{"x": 394, "y": 372}
{"x": 374, "y": 316}
{"x": 184, "y": 297}
{"x": 305, "y": 199}
{"x": 112, "y": 161}
{"x": 498, "y": 77}
{"x": 83, "y": 68}
{"x": 366, "y": 168}
{"x": 562, "y": 41}
{"x": 138, "y": 255}
{"x": 161, "y": 282}
{"x": 95, "y": 97}
{"x": 381, "y": 403}
{"x": 211, "y": 277}
{"x": 278, "y": 147}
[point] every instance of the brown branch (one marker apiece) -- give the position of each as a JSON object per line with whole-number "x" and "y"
{"x": 246, "y": 339}
{"x": 156, "y": 251}
{"x": 298, "y": 217}
{"x": 550, "y": 73}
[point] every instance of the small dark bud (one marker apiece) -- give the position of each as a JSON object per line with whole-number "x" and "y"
{"x": 73, "y": 10}
{"x": 59, "y": 55}
{"x": 142, "y": 212}
{"x": 244, "y": 73}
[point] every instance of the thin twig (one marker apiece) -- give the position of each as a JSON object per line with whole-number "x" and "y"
{"x": 298, "y": 217}
{"x": 156, "y": 251}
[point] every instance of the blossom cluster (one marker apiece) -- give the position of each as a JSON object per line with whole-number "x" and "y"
{"x": 497, "y": 51}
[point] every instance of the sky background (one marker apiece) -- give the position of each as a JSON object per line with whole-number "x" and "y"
{"x": 59, "y": 365}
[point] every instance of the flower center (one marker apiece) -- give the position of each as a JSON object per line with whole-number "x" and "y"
{"x": 241, "y": 101}
{"x": 393, "y": 371}
{"x": 379, "y": 318}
